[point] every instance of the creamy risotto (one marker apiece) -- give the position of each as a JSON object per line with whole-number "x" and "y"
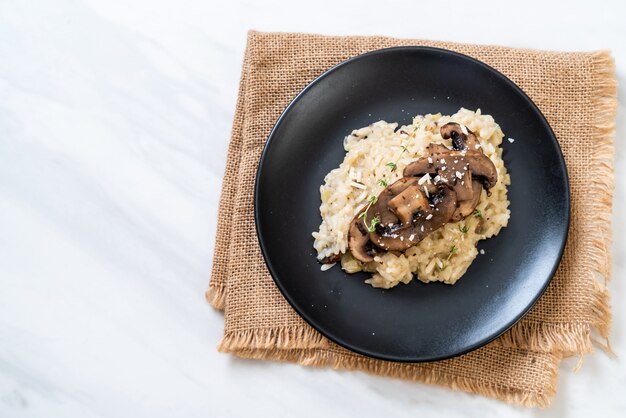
{"x": 376, "y": 156}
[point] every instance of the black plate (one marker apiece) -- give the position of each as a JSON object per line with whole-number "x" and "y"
{"x": 415, "y": 322}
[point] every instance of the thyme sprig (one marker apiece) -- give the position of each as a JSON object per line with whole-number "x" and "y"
{"x": 394, "y": 166}
{"x": 453, "y": 250}
{"x": 371, "y": 227}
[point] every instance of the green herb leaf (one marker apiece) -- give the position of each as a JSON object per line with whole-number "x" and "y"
{"x": 464, "y": 229}
{"x": 393, "y": 166}
{"x": 382, "y": 182}
{"x": 373, "y": 199}
{"x": 453, "y": 250}
{"x": 404, "y": 149}
{"x": 477, "y": 213}
{"x": 372, "y": 226}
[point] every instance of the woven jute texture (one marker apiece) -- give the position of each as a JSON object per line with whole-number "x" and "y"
{"x": 577, "y": 94}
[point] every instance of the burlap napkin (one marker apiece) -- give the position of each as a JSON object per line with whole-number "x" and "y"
{"x": 577, "y": 94}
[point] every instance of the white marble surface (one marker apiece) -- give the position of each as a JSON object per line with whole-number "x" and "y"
{"x": 114, "y": 123}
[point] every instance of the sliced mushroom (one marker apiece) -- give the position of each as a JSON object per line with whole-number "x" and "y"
{"x": 359, "y": 241}
{"x": 399, "y": 237}
{"x": 409, "y": 202}
{"x": 450, "y": 164}
{"x": 437, "y": 148}
{"x": 462, "y": 138}
{"x": 463, "y": 185}
{"x": 398, "y": 186}
{"x": 466, "y": 207}
{"x": 380, "y": 209}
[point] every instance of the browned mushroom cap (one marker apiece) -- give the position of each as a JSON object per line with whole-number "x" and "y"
{"x": 466, "y": 155}
{"x": 462, "y": 138}
{"x": 463, "y": 185}
{"x": 399, "y": 185}
{"x": 466, "y": 207}
{"x": 399, "y": 237}
{"x": 409, "y": 202}
{"x": 437, "y": 148}
{"x": 452, "y": 165}
{"x": 359, "y": 241}
{"x": 380, "y": 209}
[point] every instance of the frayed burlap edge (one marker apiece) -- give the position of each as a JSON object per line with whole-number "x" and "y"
{"x": 598, "y": 228}
{"x": 597, "y": 236}
{"x": 295, "y": 337}
{"x": 286, "y": 345}
{"x": 216, "y": 293}
{"x": 566, "y": 339}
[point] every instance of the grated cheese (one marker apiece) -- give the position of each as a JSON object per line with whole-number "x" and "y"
{"x": 327, "y": 266}
{"x": 425, "y": 178}
{"x": 358, "y": 185}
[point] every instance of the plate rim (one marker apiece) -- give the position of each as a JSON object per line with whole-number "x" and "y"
{"x": 410, "y": 48}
